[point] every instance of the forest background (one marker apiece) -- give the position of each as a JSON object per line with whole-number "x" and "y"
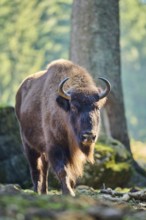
{"x": 37, "y": 32}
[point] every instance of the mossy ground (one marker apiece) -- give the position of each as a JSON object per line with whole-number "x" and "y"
{"x": 18, "y": 204}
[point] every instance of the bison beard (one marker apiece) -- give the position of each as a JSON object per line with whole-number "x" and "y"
{"x": 59, "y": 116}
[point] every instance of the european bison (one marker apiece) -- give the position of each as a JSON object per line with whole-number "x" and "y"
{"x": 59, "y": 115}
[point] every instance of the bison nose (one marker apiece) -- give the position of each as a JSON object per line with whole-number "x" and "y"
{"x": 88, "y": 136}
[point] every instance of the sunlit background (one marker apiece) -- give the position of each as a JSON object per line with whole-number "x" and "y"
{"x": 33, "y": 33}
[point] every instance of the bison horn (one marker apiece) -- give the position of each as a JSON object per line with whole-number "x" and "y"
{"x": 107, "y": 90}
{"x": 61, "y": 92}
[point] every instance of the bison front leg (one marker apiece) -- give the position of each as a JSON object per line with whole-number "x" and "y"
{"x": 38, "y": 169}
{"x": 60, "y": 162}
{"x": 66, "y": 182}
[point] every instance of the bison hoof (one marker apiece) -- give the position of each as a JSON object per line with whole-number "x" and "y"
{"x": 68, "y": 192}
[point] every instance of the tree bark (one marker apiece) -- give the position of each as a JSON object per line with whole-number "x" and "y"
{"x": 95, "y": 46}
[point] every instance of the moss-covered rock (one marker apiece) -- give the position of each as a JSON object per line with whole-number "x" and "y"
{"x": 112, "y": 165}
{"x": 13, "y": 165}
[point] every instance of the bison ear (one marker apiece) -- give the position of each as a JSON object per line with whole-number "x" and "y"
{"x": 63, "y": 103}
{"x": 101, "y": 102}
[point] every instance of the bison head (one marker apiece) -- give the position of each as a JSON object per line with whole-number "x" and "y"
{"x": 83, "y": 107}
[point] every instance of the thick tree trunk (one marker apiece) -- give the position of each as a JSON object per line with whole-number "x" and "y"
{"x": 95, "y": 46}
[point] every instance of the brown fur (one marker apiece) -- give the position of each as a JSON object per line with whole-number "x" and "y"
{"x": 44, "y": 124}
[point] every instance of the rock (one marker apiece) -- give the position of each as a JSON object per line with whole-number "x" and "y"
{"x": 103, "y": 212}
{"x": 112, "y": 165}
{"x": 13, "y": 165}
{"x": 9, "y": 189}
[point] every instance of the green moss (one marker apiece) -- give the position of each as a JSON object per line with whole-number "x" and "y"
{"x": 103, "y": 148}
{"x": 118, "y": 167}
{"x": 24, "y": 202}
{"x": 112, "y": 166}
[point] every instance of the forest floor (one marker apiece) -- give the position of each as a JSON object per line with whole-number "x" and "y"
{"x": 89, "y": 204}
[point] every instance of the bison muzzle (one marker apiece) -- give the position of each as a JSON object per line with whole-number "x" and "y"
{"x": 59, "y": 116}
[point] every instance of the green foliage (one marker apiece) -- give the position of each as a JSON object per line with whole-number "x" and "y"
{"x": 133, "y": 35}
{"x": 33, "y": 33}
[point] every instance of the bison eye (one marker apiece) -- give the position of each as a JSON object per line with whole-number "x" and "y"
{"x": 74, "y": 109}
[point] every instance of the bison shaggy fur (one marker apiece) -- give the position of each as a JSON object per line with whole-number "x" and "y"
{"x": 59, "y": 129}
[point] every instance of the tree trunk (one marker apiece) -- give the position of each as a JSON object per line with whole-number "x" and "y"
{"x": 95, "y": 46}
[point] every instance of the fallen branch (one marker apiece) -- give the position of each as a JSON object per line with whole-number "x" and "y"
{"x": 112, "y": 195}
{"x": 124, "y": 198}
{"x": 140, "y": 195}
{"x": 111, "y": 192}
